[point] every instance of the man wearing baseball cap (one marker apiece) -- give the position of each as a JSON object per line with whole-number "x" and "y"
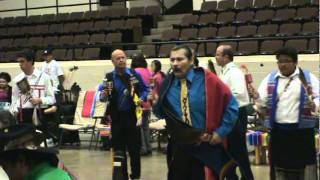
{"x": 54, "y": 70}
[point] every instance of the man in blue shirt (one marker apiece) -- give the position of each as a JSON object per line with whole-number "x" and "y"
{"x": 200, "y": 112}
{"x": 124, "y": 129}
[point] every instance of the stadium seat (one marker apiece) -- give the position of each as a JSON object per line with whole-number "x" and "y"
{"x": 264, "y": 15}
{"x": 313, "y": 46}
{"x": 225, "y": 17}
{"x": 246, "y": 31}
{"x": 207, "y": 33}
{"x": 148, "y": 50}
{"x": 104, "y": 14}
{"x": 243, "y": 4}
{"x": 39, "y": 56}
{"x": 280, "y": 3}
{"x": 85, "y": 26}
{"x": 75, "y": 16}
{"x": 259, "y": 4}
{"x": 91, "y": 53}
{"x": 12, "y": 31}
{"x": 299, "y": 44}
{"x": 35, "y": 19}
{"x": 118, "y": 12}
{"x": 55, "y": 28}
{"x": 267, "y": 30}
{"x": 41, "y": 29}
{"x": 307, "y": 13}
{"x": 270, "y": 46}
{"x": 308, "y": 28}
{"x": 289, "y": 29}
{"x": 48, "y": 18}
{"x": 114, "y": 38}
{"x": 81, "y": 39}
{"x": 59, "y": 54}
{"x": 7, "y": 21}
{"x": 78, "y": 53}
{"x": 91, "y": 15}
{"x": 193, "y": 46}
{"x": 69, "y": 55}
{"x": 188, "y": 20}
{"x": 247, "y": 48}
{"x": 206, "y": 19}
{"x": 19, "y": 42}
{"x": 208, "y": 6}
{"x": 19, "y": 20}
{"x": 3, "y": 31}
{"x": 97, "y": 39}
{"x": 131, "y": 23}
{"x": 62, "y": 17}
{"x": 70, "y": 27}
{"x": 299, "y": 3}
{"x": 171, "y": 34}
{"x": 225, "y": 5}
{"x": 100, "y": 25}
{"x": 226, "y": 32}
{"x": 65, "y": 40}
{"x": 188, "y": 33}
{"x": 211, "y": 49}
{"x": 35, "y": 42}
{"x": 50, "y": 40}
{"x": 27, "y": 30}
{"x": 283, "y": 15}
{"x": 201, "y": 50}
{"x": 117, "y": 24}
{"x": 5, "y": 42}
{"x": 244, "y": 17}
{"x": 165, "y": 49}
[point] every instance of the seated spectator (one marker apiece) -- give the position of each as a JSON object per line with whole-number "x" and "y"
{"x": 5, "y": 91}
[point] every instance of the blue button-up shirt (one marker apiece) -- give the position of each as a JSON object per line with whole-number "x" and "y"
{"x": 197, "y": 103}
{"x": 124, "y": 99}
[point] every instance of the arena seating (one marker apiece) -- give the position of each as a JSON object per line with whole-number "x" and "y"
{"x": 250, "y": 26}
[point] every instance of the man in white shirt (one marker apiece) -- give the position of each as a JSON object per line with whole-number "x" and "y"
{"x": 54, "y": 70}
{"x": 40, "y": 95}
{"x": 232, "y": 76}
{"x": 290, "y": 97}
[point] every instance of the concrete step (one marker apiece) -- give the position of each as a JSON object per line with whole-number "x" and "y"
{"x": 151, "y": 37}
{"x": 157, "y": 31}
{"x": 168, "y": 23}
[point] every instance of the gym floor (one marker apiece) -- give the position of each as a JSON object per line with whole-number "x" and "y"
{"x": 96, "y": 165}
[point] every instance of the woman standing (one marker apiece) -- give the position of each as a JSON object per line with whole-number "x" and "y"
{"x": 139, "y": 64}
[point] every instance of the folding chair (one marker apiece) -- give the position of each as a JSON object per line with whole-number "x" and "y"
{"x": 87, "y": 122}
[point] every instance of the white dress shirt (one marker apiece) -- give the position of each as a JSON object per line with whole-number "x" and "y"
{"x": 54, "y": 70}
{"x": 289, "y": 100}
{"x": 234, "y": 78}
{"x": 41, "y": 87}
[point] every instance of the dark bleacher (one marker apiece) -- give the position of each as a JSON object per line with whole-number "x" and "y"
{"x": 249, "y": 26}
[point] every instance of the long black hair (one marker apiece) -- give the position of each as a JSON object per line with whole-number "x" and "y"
{"x": 138, "y": 61}
{"x": 157, "y": 65}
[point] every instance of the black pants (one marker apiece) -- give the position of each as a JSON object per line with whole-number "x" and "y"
{"x": 184, "y": 166}
{"x": 126, "y": 136}
{"x": 238, "y": 147}
{"x": 48, "y": 124}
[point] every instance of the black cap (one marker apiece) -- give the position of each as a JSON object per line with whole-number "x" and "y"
{"x": 47, "y": 51}
{"x": 23, "y": 137}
